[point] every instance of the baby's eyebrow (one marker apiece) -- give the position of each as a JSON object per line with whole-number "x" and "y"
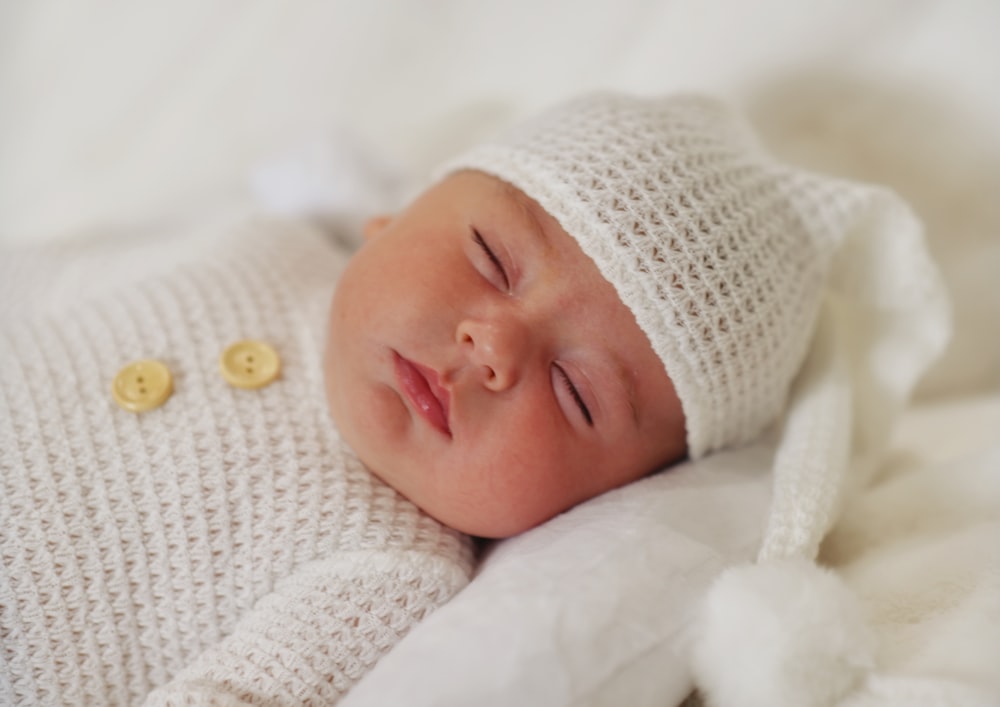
{"x": 628, "y": 383}
{"x": 529, "y": 211}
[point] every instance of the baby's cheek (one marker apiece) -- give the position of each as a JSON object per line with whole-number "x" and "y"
{"x": 544, "y": 473}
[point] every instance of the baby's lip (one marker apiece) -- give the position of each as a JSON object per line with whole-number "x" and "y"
{"x": 422, "y": 387}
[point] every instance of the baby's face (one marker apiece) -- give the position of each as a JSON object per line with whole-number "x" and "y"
{"x": 479, "y": 363}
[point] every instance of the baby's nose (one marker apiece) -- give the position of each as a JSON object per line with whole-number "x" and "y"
{"x": 497, "y": 347}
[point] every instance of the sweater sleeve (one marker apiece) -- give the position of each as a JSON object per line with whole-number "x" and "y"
{"x": 319, "y": 632}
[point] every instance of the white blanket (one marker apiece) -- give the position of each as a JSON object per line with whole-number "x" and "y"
{"x": 920, "y": 548}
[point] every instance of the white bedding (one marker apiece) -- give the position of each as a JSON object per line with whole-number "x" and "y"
{"x": 129, "y": 117}
{"x": 588, "y": 607}
{"x": 595, "y": 607}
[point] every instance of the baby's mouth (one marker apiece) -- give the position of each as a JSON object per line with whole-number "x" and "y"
{"x": 422, "y": 388}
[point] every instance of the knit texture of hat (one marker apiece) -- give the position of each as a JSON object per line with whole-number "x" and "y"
{"x": 718, "y": 251}
{"x": 764, "y": 289}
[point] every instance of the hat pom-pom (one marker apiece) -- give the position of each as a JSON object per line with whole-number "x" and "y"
{"x": 780, "y": 633}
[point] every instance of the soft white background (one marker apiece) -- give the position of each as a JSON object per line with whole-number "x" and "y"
{"x": 122, "y": 110}
{"x": 130, "y": 115}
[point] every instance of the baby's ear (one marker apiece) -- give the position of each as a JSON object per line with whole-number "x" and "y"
{"x": 375, "y": 225}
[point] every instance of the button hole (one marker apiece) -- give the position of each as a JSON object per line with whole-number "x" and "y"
{"x": 139, "y": 380}
{"x": 142, "y": 390}
{"x": 249, "y": 369}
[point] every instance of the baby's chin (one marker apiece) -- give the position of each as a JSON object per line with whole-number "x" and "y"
{"x": 473, "y": 511}
{"x": 480, "y": 513}
{"x": 486, "y": 527}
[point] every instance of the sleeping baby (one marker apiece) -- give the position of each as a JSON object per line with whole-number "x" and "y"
{"x": 217, "y": 487}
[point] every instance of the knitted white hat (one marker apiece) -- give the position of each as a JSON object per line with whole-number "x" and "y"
{"x": 724, "y": 256}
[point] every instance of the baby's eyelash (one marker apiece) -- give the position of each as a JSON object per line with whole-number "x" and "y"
{"x": 576, "y": 395}
{"x": 478, "y": 238}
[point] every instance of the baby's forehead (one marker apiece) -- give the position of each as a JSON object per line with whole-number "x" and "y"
{"x": 507, "y": 191}
{"x": 523, "y": 207}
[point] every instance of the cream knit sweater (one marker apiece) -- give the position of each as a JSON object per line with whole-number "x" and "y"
{"x": 225, "y": 547}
